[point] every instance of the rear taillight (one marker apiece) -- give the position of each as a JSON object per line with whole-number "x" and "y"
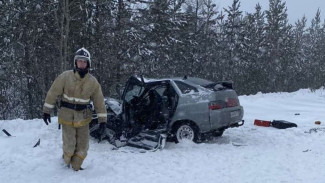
{"x": 230, "y": 102}
{"x": 216, "y": 105}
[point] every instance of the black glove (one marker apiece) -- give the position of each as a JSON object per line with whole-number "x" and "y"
{"x": 102, "y": 128}
{"x": 47, "y": 118}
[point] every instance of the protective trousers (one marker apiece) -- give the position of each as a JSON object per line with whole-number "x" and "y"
{"x": 75, "y": 145}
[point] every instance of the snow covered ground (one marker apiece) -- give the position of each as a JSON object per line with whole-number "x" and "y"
{"x": 249, "y": 153}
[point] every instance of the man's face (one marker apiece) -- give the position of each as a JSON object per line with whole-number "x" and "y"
{"x": 81, "y": 64}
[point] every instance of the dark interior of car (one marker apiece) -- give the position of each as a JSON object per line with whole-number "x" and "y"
{"x": 152, "y": 108}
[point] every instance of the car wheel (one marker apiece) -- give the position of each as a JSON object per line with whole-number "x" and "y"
{"x": 186, "y": 131}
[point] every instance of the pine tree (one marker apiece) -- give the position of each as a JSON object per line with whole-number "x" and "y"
{"x": 277, "y": 37}
{"x": 315, "y": 53}
{"x": 160, "y": 36}
{"x": 233, "y": 37}
{"x": 253, "y": 73}
{"x": 300, "y": 66}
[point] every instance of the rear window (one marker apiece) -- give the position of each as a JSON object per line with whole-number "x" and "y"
{"x": 185, "y": 88}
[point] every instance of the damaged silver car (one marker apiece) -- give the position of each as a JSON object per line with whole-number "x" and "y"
{"x": 151, "y": 111}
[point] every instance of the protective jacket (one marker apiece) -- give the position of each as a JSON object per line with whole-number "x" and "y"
{"x": 73, "y": 89}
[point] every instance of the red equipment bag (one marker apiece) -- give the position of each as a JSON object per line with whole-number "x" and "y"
{"x": 258, "y": 122}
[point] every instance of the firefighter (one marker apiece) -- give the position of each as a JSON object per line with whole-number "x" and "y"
{"x": 76, "y": 88}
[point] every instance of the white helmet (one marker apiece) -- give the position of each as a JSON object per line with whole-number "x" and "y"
{"x": 82, "y": 54}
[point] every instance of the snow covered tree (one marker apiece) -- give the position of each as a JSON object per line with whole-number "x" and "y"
{"x": 26, "y": 44}
{"x": 206, "y": 37}
{"x": 259, "y": 51}
{"x": 200, "y": 39}
{"x": 315, "y": 52}
{"x": 232, "y": 42}
{"x": 161, "y": 36}
{"x": 299, "y": 66}
{"x": 277, "y": 38}
{"x": 253, "y": 72}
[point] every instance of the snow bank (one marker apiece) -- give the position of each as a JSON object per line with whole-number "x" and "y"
{"x": 245, "y": 154}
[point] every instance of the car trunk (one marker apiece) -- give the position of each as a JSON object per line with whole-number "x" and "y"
{"x": 225, "y": 110}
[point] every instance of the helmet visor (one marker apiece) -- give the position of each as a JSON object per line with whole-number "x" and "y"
{"x": 79, "y": 57}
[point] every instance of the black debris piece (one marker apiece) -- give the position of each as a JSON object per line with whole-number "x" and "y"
{"x": 37, "y": 143}
{"x": 282, "y": 124}
{"x": 7, "y": 133}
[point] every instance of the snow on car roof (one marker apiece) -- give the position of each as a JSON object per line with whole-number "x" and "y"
{"x": 194, "y": 80}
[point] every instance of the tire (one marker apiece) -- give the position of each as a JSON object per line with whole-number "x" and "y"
{"x": 186, "y": 131}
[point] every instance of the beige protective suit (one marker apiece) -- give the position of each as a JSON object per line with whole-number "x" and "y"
{"x": 73, "y": 89}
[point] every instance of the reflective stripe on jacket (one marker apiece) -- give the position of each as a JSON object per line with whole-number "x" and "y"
{"x": 75, "y": 90}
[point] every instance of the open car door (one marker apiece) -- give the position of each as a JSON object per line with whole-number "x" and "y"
{"x": 147, "y": 113}
{"x": 132, "y": 91}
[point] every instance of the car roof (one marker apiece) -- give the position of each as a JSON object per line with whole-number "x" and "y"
{"x": 193, "y": 80}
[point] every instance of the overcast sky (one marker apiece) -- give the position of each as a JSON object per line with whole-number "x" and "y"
{"x": 296, "y": 8}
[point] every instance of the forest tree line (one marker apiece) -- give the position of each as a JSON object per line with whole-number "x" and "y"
{"x": 259, "y": 51}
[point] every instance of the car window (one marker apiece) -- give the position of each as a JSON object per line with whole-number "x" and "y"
{"x": 185, "y": 88}
{"x": 161, "y": 90}
{"x": 133, "y": 90}
{"x": 158, "y": 90}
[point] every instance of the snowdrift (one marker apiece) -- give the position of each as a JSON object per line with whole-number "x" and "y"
{"x": 250, "y": 154}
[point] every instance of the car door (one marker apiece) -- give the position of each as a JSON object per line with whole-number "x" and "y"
{"x": 133, "y": 88}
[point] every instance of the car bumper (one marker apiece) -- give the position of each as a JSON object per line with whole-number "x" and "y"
{"x": 227, "y": 117}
